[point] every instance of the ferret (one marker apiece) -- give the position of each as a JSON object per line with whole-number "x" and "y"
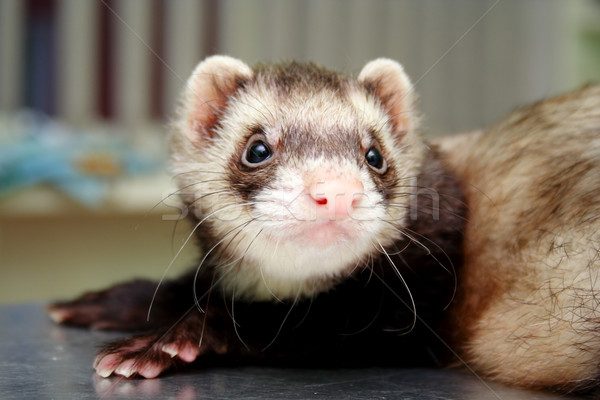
{"x": 331, "y": 233}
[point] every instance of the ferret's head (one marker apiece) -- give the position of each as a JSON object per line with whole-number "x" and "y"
{"x": 298, "y": 175}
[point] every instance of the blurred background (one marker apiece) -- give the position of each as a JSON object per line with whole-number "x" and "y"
{"x": 87, "y": 86}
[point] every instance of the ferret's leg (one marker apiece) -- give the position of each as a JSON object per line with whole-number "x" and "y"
{"x": 126, "y": 306}
{"x": 149, "y": 354}
{"x": 181, "y": 326}
{"x": 121, "y": 307}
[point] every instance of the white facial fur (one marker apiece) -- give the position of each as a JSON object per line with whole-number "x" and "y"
{"x": 278, "y": 244}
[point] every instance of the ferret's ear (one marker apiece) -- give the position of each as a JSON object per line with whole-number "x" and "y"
{"x": 208, "y": 90}
{"x": 386, "y": 80}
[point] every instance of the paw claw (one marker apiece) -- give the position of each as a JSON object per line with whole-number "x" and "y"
{"x": 105, "y": 373}
{"x": 126, "y": 368}
{"x": 57, "y": 316}
{"x": 105, "y": 365}
{"x": 187, "y": 353}
{"x": 171, "y": 349}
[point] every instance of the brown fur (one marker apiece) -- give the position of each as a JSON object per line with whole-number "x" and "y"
{"x": 527, "y": 307}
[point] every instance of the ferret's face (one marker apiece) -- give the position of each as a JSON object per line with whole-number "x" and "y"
{"x": 299, "y": 174}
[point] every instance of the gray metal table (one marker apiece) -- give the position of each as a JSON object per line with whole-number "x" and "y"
{"x": 40, "y": 360}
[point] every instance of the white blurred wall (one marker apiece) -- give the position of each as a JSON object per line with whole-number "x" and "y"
{"x": 472, "y": 60}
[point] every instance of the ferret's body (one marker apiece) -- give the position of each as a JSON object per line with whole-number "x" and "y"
{"x": 527, "y": 310}
{"x": 331, "y": 232}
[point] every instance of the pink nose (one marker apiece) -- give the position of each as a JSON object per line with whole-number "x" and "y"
{"x": 335, "y": 197}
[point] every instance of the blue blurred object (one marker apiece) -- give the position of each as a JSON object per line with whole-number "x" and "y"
{"x": 36, "y": 150}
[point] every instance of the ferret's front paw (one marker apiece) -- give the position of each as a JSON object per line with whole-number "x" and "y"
{"x": 122, "y": 307}
{"x": 145, "y": 355}
{"x": 148, "y": 355}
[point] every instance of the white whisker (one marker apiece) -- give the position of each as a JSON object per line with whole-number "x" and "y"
{"x": 284, "y": 320}
{"x": 235, "y": 324}
{"x": 177, "y": 254}
{"x": 206, "y": 256}
{"x": 412, "y": 300}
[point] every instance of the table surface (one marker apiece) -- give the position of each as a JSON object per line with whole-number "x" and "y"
{"x": 40, "y": 360}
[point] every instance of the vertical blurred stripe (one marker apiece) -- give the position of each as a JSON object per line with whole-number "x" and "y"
{"x": 12, "y": 54}
{"x": 157, "y": 60}
{"x": 185, "y": 45}
{"x": 243, "y": 29}
{"x": 134, "y": 53}
{"x": 286, "y": 24}
{"x": 40, "y": 44}
{"x": 106, "y": 55}
{"x": 211, "y": 24}
{"x": 326, "y": 29}
{"x": 77, "y": 71}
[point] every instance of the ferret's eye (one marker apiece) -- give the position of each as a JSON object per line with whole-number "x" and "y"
{"x": 256, "y": 153}
{"x": 376, "y": 160}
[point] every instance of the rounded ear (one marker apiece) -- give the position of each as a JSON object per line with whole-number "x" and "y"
{"x": 387, "y": 81}
{"x": 208, "y": 90}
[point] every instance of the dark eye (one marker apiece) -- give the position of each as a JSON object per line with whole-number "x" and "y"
{"x": 256, "y": 153}
{"x": 375, "y": 160}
